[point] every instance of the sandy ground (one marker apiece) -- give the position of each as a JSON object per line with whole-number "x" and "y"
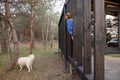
{"x": 112, "y": 70}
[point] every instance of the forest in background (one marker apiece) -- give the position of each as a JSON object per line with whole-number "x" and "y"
{"x": 27, "y": 21}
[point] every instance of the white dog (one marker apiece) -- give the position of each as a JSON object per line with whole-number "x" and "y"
{"x": 26, "y": 61}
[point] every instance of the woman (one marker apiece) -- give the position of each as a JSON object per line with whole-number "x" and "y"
{"x": 69, "y": 24}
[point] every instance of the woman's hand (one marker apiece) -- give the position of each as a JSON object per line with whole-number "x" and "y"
{"x": 72, "y": 37}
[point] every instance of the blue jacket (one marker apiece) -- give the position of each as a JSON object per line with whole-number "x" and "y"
{"x": 70, "y": 26}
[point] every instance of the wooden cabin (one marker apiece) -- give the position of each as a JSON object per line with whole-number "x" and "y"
{"x": 81, "y": 59}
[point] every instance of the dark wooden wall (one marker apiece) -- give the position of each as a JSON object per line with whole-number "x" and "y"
{"x": 62, "y": 33}
{"x": 87, "y": 36}
{"x": 81, "y": 56}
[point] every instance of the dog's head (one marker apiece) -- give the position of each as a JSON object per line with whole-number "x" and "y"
{"x": 32, "y": 56}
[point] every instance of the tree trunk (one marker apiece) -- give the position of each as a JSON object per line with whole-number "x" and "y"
{"x": 1, "y": 31}
{"x": 46, "y": 37}
{"x": 43, "y": 31}
{"x": 52, "y": 34}
{"x": 14, "y": 36}
{"x": 7, "y": 13}
{"x": 15, "y": 51}
{"x": 15, "y": 48}
{"x": 4, "y": 38}
{"x": 31, "y": 28}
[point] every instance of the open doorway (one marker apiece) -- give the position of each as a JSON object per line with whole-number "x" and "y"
{"x": 112, "y": 31}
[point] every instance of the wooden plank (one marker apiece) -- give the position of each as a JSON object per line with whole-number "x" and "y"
{"x": 87, "y": 36}
{"x": 61, "y": 33}
{"x": 99, "y": 39}
{"x": 115, "y": 9}
{"x": 65, "y": 38}
{"x": 68, "y": 6}
{"x": 72, "y": 8}
{"x": 69, "y": 41}
{"x": 70, "y": 3}
{"x": 74, "y": 29}
{"x": 62, "y": 36}
{"x": 68, "y": 38}
{"x": 79, "y": 32}
{"x": 79, "y": 70}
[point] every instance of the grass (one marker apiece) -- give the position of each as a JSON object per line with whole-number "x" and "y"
{"x": 47, "y": 65}
{"x": 4, "y": 58}
{"x": 114, "y": 55}
{"x": 43, "y": 60}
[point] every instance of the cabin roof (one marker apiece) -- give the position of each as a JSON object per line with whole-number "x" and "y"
{"x": 116, "y": 1}
{"x": 114, "y": 5}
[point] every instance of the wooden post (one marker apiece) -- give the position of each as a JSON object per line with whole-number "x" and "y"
{"x": 79, "y": 32}
{"x": 69, "y": 43}
{"x": 70, "y": 6}
{"x": 87, "y": 36}
{"x": 99, "y": 39}
{"x": 65, "y": 38}
{"x": 74, "y": 29}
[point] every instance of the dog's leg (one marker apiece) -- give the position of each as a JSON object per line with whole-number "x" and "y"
{"x": 21, "y": 67}
{"x": 28, "y": 68}
{"x": 31, "y": 67}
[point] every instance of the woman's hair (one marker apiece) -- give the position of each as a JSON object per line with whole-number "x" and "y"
{"x": 68, "y": 15}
